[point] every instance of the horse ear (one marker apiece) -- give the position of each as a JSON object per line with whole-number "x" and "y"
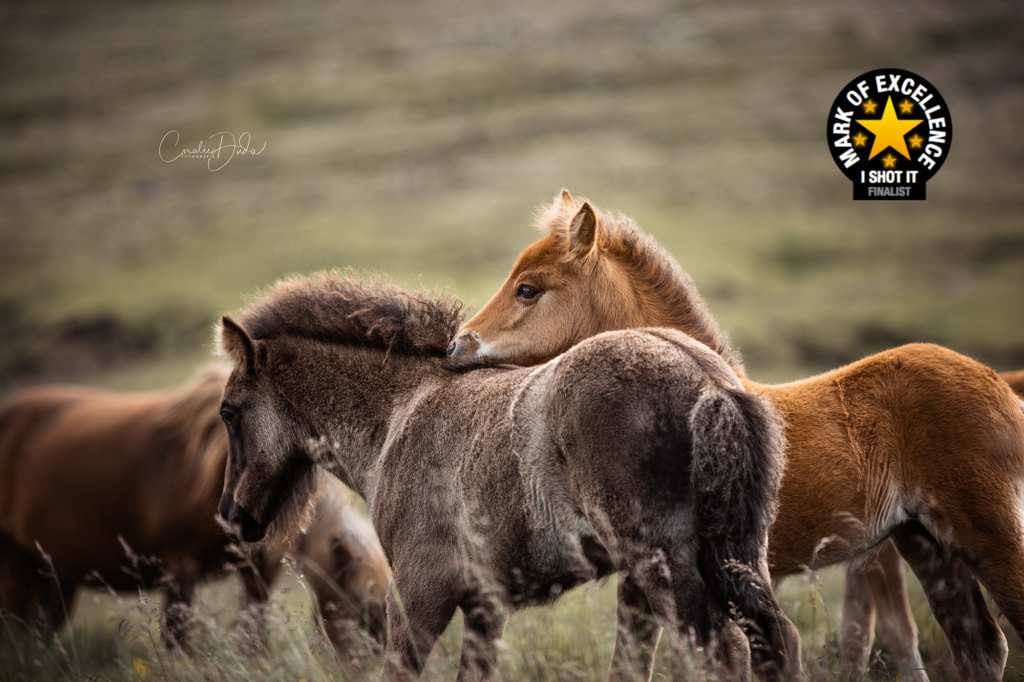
{"x": 234, "y": 343}
{"x": 565, "y": 202}
{"x": 583, "y": 232}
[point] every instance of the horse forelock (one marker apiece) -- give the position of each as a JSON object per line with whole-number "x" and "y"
{"x": 655, "y": 274}
{"x": 341, "y": 308}
{"x": 192, "y": 413}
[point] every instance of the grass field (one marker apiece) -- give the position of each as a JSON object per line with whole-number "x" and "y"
{"x": 116, "y": 638}
{"x": 416, "y": 139}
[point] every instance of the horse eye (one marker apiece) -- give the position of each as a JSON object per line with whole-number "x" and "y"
{"x": 526, "y": 291}
{"x": 229, "y": 415}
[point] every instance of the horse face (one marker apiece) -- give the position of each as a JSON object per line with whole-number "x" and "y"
{"x": 524, "y": 312}
{"x": 271, "y": 481}
{"x": 562, "y": 289}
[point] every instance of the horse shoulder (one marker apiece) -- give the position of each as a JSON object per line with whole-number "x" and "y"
{"x": 414, "y": 477}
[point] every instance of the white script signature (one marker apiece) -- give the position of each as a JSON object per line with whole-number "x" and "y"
{"x": 211, "y": 154}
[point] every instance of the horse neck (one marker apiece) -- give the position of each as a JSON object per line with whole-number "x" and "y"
{"x": 359, "y": 409}
{"x": 666, "y": 302}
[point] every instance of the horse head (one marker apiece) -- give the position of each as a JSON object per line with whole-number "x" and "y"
{"x": 590, "y": 273}
{"x": 556, "y": 282}
{"x": 271, "y": 479}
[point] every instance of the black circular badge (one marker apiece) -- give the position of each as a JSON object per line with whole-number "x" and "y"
{"x": 889, "y": 131}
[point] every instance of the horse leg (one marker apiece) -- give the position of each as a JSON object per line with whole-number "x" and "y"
{"x": 790, "y": 637}
{"x": 48, "y": 602}
{"x": 180, "y": 590}
{"x": 254, "y": 607}
{"x": 857, "y": 618}
{"x": 978, "y": 646}
{"x": 896, "y": 627}
{"x": 679, "y": 599}
{"x": 258, "y": 573}
{"x": 418, "y": 611}
{"x": 877, "y": 587}
{"x": 995, "y": 550}
{"x": 55, "y": 600}
{"x": 30, "y": 592}
{"x": 24, "y": 591}
{"x": 636, "y": 634}
{"x": 484, "y": 620}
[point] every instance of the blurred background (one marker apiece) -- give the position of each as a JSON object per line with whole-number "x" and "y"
{"x": 417, "y": 139}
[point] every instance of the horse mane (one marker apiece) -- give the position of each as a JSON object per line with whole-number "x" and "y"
{"x": 191, "y": 415}
{"x": 341, "y": 308}
{"x": 657, "y": 277}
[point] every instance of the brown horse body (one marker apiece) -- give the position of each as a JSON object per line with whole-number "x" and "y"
{"x": 496, "y": 489}
{"x": 123, "y": 489}
{"x": 917, "y": 443}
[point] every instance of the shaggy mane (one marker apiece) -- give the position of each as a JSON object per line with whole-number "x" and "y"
{"x": 657, "y": 275}
{"x": 340, "y": 308}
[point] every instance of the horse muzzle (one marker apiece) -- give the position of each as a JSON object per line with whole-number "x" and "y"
{"x": 248, "y": 529}
{"x": 466, "y": 346}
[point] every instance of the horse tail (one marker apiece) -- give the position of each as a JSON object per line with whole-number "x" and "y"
{"x": 738, "y": 461}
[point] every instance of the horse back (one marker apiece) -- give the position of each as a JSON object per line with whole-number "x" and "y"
{"x": 932, "y": 407}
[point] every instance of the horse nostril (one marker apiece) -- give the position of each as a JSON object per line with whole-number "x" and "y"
{"x": 466, "y": 345}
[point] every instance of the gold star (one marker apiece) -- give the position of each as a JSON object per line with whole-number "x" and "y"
{"x": 916, "y": 141}
{"x": 906, "y": 106}
{"x": 889, "y": 130}
{"x": 889, "y": 160}
{"x": 859, "y": 139}
{"x": 869, "y": 107}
